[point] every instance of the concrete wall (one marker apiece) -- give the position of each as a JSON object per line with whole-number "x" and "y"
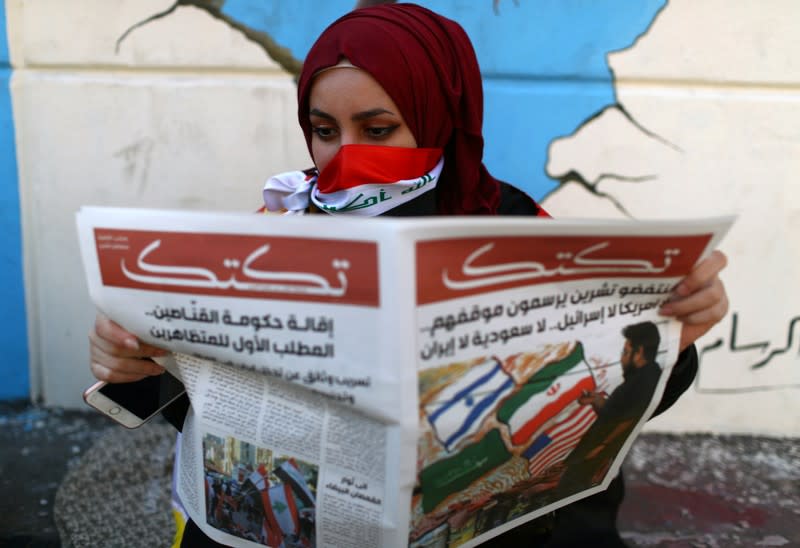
{"x": 599, "y": 108}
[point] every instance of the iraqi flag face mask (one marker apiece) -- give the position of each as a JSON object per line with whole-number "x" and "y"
{"x": 365, "y": 180}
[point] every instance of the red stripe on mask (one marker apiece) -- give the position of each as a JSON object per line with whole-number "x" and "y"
{"x": 356, "y": 165}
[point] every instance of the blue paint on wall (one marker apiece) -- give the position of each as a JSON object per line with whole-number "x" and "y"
{"x": 294, "y": 24}
{"x": 545, "y": 72}
{"x": 544, "y": 64}
{"x": 518, "y": 135}
{"x": 14, "y": 376}
{"x": 549, "y": 39}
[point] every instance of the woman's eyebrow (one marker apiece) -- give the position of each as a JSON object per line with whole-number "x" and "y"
{"x": 369, "y": 114}
{"x": 320, "y": 114}
{"x": 357, "y": 117}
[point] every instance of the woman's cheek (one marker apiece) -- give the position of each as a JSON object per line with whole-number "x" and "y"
{"x": 322, "y": 154}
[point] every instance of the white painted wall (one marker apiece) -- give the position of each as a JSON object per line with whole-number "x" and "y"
{"x": 189, "y": 114}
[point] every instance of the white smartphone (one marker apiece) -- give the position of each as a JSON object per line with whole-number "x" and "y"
{"x": 134, "y": 403}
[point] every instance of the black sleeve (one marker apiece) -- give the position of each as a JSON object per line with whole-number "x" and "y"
{"x": 680, "y": 380}
{"x": 515, "y": 202}
{"x": 175, "y": 413}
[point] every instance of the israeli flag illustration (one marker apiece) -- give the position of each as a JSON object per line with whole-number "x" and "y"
{"x": 459, "y": 409}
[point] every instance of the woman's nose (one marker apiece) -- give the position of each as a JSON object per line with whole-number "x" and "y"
{"x": 350, "y": 137}
{"x": 347, "y": 137}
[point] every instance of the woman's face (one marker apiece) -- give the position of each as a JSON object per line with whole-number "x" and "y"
{"x": 348, "y": 106}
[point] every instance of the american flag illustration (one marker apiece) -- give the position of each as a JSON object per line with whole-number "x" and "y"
{"x": 558, "y": 440}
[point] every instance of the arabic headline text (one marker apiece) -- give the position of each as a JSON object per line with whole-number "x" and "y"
{"x": 217, "y": 328}
{"x": 498, "y": 324}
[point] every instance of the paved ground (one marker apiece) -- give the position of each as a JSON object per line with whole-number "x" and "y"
{"x": 714, "y": 492}
{"x": 37, "y": 447}
{"x": 698, "y": 491}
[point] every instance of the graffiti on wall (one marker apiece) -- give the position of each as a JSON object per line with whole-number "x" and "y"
{"x": 756, "y": 355}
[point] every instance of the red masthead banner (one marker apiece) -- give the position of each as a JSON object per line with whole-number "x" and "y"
{"x": 232, "y": 265}
{"x": 453, "y": 268}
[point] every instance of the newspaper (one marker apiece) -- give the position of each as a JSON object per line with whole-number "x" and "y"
{"x": 404, "y": 382}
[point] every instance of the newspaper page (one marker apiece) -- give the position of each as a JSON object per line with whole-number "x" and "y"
{"x": 425, "y": 382}
{"x": 302, "y": 428}
{"x": 519, "y": 331}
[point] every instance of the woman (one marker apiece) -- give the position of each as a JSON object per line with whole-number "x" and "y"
{"x": 388, "y": 94}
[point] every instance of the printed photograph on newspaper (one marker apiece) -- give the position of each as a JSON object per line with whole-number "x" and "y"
{"x": 539, "y": 358}
{"x": 255, "y": 494}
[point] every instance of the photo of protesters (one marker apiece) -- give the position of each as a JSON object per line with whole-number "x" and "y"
{"x": 256, "y": 495}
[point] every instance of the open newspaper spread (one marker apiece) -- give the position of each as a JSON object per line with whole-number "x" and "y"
{"x": 417, "y": 382}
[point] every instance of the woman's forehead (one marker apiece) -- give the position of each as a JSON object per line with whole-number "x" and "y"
{"x": 348, "y": 87}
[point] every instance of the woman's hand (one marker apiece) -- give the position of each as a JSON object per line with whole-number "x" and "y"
{"x": 699, "y": 301}
{"x": 117, "y": 356}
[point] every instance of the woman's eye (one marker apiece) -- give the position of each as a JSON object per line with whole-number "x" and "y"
{"x": 380, "y": 132}
{"x": 324, "y": 132}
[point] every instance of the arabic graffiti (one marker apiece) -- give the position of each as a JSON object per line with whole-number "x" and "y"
{"x": 734, "y": 347}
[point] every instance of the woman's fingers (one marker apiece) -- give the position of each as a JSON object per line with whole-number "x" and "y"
{"x": 699, "y": 300}
{"x": 104, "y": 373}
{"x": 112, "y": 367}
{"x": 117, "y": 356}
{"x": 116, "y": 340}
{"x": 115, "y": 349}
{"x": 702, "y": 274}
{"x": 702, "y": 305}
{"x": 110, "y": 331}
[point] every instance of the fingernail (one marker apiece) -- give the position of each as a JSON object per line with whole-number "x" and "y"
{"x": 681, "y": 291}
{"x": 156, "y": 370}
{"x": 160, "y": 352}
{"x": 665, "y": 310}
{"x": 132, "y": 344}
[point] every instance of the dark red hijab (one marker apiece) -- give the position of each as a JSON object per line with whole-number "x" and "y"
{"x": 426, "y": 64}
